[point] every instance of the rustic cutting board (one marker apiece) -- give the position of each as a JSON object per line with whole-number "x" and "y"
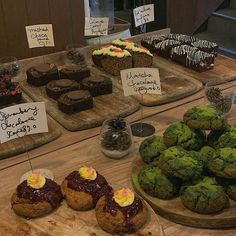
{"x": 17, "y": 146}
{"x": 105, "y": 106}
{"x": 175, "y": 211}
{"x": 224, "y": 69}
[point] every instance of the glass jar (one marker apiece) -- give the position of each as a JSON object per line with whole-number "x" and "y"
{"x": 115, "y": 138}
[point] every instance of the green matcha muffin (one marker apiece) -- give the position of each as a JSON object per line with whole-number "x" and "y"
{"x": 205, "y": 117}
{"x": 155, "y": 183}
{"x": 177, "y": 162}
{"x": 224, "y": 163}
{"x": 213, "y": 136}
{"x": 206, "y": 153}
{"x": 179, "y": 134}
{"x": 151, "y": 148}
{"x": 205, "y": 197}
{"x": 231, "y": 191}
{"x": 227, "y": 139}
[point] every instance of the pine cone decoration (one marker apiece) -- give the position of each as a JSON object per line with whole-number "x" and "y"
{"x": 213, "y": 95}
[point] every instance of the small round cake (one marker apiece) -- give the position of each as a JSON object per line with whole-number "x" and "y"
{"x": 155, "y": 183}
{"x": 36, "y": 196}
{"x": 151, "y": 148}
{"x": 121, "y": 212}
{"x": 83, "y": 188}
{"x": 224, "y": 163}
{"x": 179, "y": 134}
{"x": 179, "y": 163}
{"x": 205, "y": 117}
{"x": 205, "y": 197}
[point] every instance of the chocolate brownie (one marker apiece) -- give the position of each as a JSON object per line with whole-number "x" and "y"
{"x": 75, "y": 101}
{"x": 186, "y": 39}
{"x": 9, "y": 92}
{"x": 97, "y": 85}
{"x": 148, "y": 41}
{"x": 56, "y": 88}
{"x": 74, "y": 72}
{"x": 206, "y": 46}
{"x": 42, "y": 74}
{"x": 163, "y": 48}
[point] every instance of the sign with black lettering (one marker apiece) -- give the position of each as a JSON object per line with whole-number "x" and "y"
{"x": 40, "y": 36}
{"x": 96, "y": 26}
{"x": 141, "y": 81}
{"x": 24, "y": 119}
{"x": 143, "y": 14}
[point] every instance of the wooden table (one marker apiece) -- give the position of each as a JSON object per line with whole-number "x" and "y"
{"x": 63, "y": 160}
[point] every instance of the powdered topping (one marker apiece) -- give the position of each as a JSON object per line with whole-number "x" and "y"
{"x": 168, "y": 42}
{"x": 36, "y": 180}
{"x": 124, "y": 197}
{"x": 138, "y": 48}
{"x": 88, "y": 173}
{"x": 204, "y": 44}
{"x": 121, "y": 42}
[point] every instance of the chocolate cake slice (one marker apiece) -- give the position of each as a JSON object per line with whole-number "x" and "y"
{"x": 97, "y": 85}
{"x": 148, "y": 41}
{"x": 75, "y": 101}
{"x": 42, "y": 74}
{"x": 56, "y": 88}
{"x": 185, "y": 39}
{"x": 74, "y": 72}
{"x": 206, "y": 46}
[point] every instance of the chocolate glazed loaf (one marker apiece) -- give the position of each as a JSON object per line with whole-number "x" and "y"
{"x": 42, "y": 74}
{"x": 115, "y": 219}
{"x": 31, "y": 203}
{"x": 56, "y": 88}
{"x": 75, "y": 101}
{"x": 97, "y": 85}
{"x": 206, "y": 46}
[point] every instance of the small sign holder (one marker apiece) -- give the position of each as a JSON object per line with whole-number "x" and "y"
{"x": 141, "y": 81}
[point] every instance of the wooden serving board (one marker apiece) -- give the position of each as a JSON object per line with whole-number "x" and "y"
{"x": 17, "y": 146}
{"x": 105, "y": 106}
{"x": 175, "y": 211}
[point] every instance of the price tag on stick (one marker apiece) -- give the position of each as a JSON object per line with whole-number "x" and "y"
{"x": 21, "y": 120}
{"x": 143, "y": 14}
{"x": 96, "y": 26}
{"x": 40, "y": 36}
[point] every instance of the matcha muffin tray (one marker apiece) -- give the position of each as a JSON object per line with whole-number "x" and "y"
{"x": 188, "y": 175}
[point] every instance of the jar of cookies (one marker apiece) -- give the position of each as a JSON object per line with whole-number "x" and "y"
{"x": 116, "y": 138}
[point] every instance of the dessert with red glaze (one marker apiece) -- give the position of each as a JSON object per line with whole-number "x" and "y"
{"x": 36, "y": 196}
{"x": 121, "y": 212}
{"x": 83, "y": 188}
{"x": 97, "y": 85}
{"x": 10, "y": 92}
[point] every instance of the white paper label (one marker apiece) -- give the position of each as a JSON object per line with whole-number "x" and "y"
{"x": 24, "y": 119}
{"x": 40, "y": 36}
{"x": 143, "y": 14}
{"x": 141, "y": 81}
{"x": 96, "y": 26}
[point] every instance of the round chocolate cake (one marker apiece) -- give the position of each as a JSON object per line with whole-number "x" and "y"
{"x": 82, "y": 189}
{"x": 121, "y": 212}
{"x": 33, "y": 200}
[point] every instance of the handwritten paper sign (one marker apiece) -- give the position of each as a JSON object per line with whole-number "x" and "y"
{"x": 141, "y": 81}
{"x": 24, "y": 119}
{"x": 40, "y": 36}
{"x": 96, "y": 26}
{"x": 143, "y": 14}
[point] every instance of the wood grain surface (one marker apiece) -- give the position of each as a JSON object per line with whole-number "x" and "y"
{"x": 105, "y": 106}
{"x": 20, "y": 145}
{"x": 174, "y": 210}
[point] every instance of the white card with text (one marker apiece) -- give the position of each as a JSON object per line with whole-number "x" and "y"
{"x": 143, "y": 14}
{"x": 40, "y": 36}
{"x": 21, "y": 120}
{"x": 141, "y": 81}
{"x": 96, "y": 26}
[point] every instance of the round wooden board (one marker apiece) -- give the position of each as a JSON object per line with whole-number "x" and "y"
{"x": 175, "y": 211}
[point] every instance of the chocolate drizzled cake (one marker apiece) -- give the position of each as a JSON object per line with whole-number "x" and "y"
{"x": 186, "y": 39}
{"x": 30, "y": 202}
{"x": 42, "y": 74}
{"x": 83, "y": 194}
{"x": 163, "y": 48}
{"x": 97, "y": 85}
{"x": 56, "y": 88}
{"x": 148, "y": 41}
{"x": 74, "y": 72}
{"x": 206, "y": 46}
{"x": 75, "y": 101}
